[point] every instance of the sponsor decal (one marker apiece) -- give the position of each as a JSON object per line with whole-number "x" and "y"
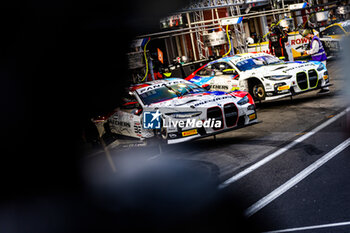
{"x": 325, "y": 77}
{"x": 282, "y": 88}
{"x": 297, "y": 67}
{"x": 299, "y": 41}
{"x": 158, "y": 85}
{"x": 120, "y": 123}
{"x": 213, "y": 100}
{"x": 252, "y": 116}
{"x": 189, "y": 132}
{"x": 220, "y": 87}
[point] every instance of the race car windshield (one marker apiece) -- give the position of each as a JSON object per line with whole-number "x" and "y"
{"x": 185, "y": 88}
{"x": 272, "y": 60}
{"x": 169, "y": 92}
{"x": 158, "y": 95}
{"x": 249, "y": 64}
{"x": 257, "y": 62}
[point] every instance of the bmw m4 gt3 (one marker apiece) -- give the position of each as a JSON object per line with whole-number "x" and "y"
{"x": 264, "y": 76}
{"x": 176, "y": 110}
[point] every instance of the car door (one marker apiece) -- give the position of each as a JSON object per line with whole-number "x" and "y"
{"x": 225, "y": 77}
{"x": 126, "y": 120}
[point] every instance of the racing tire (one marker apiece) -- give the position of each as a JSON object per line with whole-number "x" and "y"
{"x": 258, "y": 92}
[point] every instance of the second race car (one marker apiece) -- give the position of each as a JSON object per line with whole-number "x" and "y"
{"x": 176, "y": 110}
{"x": 264, "y": 76}
{"x": 333, "y": 35}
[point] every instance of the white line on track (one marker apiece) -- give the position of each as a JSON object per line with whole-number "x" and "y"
{"x": 281, "y": 150}
{"x": 311, "y": 227}
{"x": 154, "y": 157}
{"x": 296, "y": 179}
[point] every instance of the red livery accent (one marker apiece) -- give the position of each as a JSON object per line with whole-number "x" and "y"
{"x": 138, "y": 86}
{"x": 195, "y": 72}
{"x": 241, "y": 94}
{"x": 130, "y": 103}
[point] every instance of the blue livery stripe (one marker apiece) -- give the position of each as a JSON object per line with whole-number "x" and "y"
{"x": 201, "y": 80}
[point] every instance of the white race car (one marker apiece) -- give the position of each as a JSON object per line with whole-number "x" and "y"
{"x": 264, "y": 76}
{"x": 177, "y": 110}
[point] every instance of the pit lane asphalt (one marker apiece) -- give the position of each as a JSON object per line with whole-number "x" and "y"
{"x": 283, "y": 121}
{"x": 323, "y": 197}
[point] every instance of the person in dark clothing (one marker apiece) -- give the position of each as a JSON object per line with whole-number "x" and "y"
{"x": 277, "y": 42}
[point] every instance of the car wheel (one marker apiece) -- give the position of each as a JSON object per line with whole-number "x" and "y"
{"x": 258, "y": 92}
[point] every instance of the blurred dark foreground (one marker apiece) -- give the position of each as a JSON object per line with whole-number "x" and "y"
{"x": 162, "y": 195}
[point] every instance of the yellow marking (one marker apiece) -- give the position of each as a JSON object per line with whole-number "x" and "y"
{"x": 293, "y": 33}
{"x": 299, "y": 134}
{"x": 281, "y": 88}
{"x": 296, "y": 53}
{"x": 252, "y": 116}
{"x": 258, "y": 44}
{"x": 189, "y": 132}
{"x": 167, "y": 75}
{"x": 325, "y": 77}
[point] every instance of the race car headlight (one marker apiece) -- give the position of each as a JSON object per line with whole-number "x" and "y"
{"x": 278, "y": 77}
{"x": 183, "y": 115}
{"x": 243, "y": 101}
{"x": 320, "y": 67}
